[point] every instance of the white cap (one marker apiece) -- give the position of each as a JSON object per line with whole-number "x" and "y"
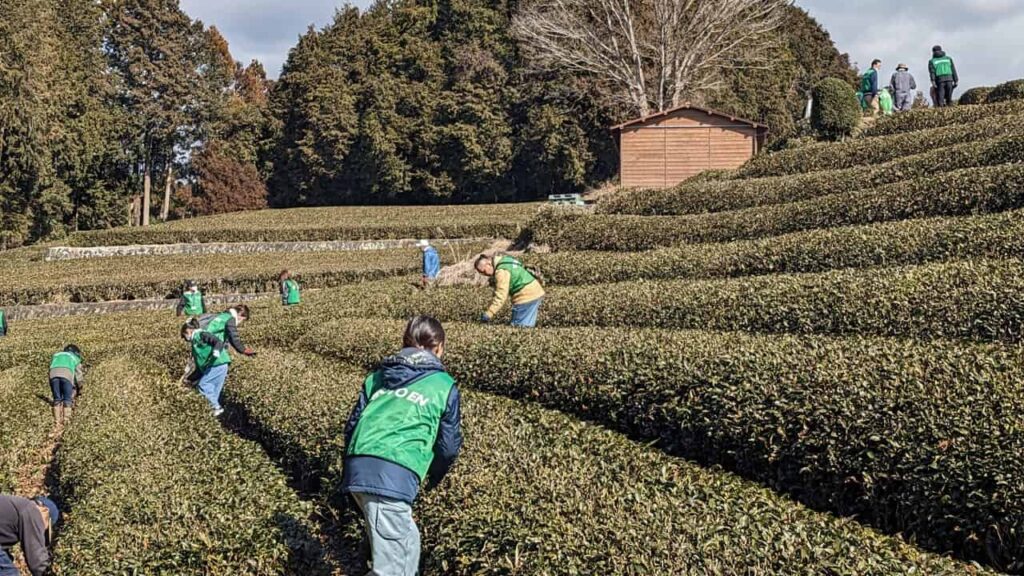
{"x": 423, "y": 243}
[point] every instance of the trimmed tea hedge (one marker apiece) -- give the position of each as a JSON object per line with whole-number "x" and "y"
{"x": 25, "y": 420}
{"x": 142, "y": 277}
{"x": 720, "y": 196}
{"x": 929, "y": 118}
{"x": 976, "y": 95}
{"x": 887, "y": 244}
{"x": 514, "y": 503}
{"x": 1006, "y": 92}
{"x": 319, "y": 224}
{"x": 155, "y": 486}
{"x": 963, "y": 192}
{"x": 883, "y": 429}
{"x": 870, "y": 151}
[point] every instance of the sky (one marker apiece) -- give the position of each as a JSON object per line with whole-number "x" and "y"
{"x": 984, "y": 37}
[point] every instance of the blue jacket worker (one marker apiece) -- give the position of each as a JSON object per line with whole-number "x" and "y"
{"x": 66, "y": 377}
{"x": 431, "y": 261}
{"x": 27, "y": 522}
{"x": 404, "y": 429}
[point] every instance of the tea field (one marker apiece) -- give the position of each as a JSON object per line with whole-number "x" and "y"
{"x": 810, "y": 365}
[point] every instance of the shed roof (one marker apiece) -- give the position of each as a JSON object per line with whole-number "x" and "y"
{"x": 687, "y": 106}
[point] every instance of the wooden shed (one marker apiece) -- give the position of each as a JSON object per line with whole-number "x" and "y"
{"x": 666, "y": 148}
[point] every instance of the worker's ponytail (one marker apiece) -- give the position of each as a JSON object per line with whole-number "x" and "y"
{"x": 423, "y": 332}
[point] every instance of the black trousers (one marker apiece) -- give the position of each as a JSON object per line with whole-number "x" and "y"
{"x": 944, "y": 93}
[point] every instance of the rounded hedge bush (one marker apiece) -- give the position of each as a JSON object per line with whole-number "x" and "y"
{"x": 976, "y": 95}
{"x": 1013, "y": 90}
{"x": 836, "y": 111}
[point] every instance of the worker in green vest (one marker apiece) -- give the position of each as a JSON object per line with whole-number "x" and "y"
{"x": 66, "y": 377}
{"x": 944, "y": 77}
{"x": 512, "y": 279}
{"x": 192, "y": 301}
{"x": 289, "y": 289}
{"x": 210, "y": 360}
{"x": 405, "y": 429}
{"x": 3, "y": 322}
{"x": 869, "y": 86}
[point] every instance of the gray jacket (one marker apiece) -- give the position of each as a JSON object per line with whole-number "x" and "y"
{"x": 902, "y": 81}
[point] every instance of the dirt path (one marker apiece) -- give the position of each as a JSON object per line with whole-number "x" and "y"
{"x": 34, "y": 479}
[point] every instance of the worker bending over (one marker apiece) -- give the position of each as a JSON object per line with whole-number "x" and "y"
{"x": 210, "y": 362}
{"x": 431, "y": 262}
{"x": 66, "y": 377}
{"x": 405, "y": 428}
{"x": 28, "y": 522}
{"x": 192, "y": 301}
{"x": 289, "y": 289}
{"x": 511, "y": 278}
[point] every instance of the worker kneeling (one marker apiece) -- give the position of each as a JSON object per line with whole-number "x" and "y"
{"x": 511, "y": 278}
{"x": 405, "y": 428}
{"x": 28, "y": 522}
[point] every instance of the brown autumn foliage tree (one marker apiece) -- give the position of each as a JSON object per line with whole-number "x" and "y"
{"x": 224, "y": 184}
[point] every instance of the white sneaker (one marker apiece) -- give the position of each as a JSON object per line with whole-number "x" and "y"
{"x": 217, "y": 412}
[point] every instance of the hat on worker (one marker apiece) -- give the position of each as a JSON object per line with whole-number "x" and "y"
{"x": 423, "y": 244}
{"x": 902, "y": 67}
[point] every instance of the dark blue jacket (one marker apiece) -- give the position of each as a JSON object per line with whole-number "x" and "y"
{"x": 431, "y": 263}
{"x": 369, "y": 475}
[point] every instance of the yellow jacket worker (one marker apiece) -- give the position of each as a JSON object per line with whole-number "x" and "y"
{"x": 512, "y": 279}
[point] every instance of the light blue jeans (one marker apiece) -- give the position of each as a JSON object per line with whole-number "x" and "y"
{"x": 525, "y": 315}
{"x": 211, "y": 384}
{"x": 7, "y": 567}
{"x": 394, "y": 537}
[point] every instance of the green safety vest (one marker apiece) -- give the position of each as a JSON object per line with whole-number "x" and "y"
{"x": 291, "y": 288}
{"x": 65, "y": 360}
{"x": 868, "y": 80}
{"x": 218, "y": 325}
{"x": 885, "y": 101}
{"x": 202, "y": 353}
{"x": 193, "y": 303}
{"x": 1, "y": 322}
{"x": 401, "y": 425}
{"x": 943, "y": 66}
{"x": 521, "y": 277}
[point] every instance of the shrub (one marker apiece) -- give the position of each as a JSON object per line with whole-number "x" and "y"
{"x": 500, "y": 508}
{"x": 882, "y": 429}
{"x": 26, "y": 422}
{"x": 691, "y": 198}
{"x": 976, "y": 95}
{"x": 1007, "y": 92}
{"x": 871, "y": 151}
{"x": 931, "y": 118}
{"x": 836, "y": 112}
{"x": 157, "y": 487}
{"x": 886, "y": 244}
{"x": 963, "y": 192}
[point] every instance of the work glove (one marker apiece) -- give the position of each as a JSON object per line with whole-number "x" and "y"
{"x": 249, "y": 352}
{"x": 485, "y": 318}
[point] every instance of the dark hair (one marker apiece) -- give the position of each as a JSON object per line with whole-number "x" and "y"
{"x": 479, "y": 259}
{"x": 242, "y": 310}
{"x": 423, "y": 332}
{"x": 284, "y": 275}
{"x": 876, "y": 61}
{"x": 192, "y": 324}
{"x": 73, "y": 349}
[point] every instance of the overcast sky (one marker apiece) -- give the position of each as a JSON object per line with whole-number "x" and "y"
{"x": 983, "y": 36}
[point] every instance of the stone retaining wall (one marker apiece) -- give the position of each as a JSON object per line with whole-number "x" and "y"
{"x": 75, "y": 253}
{"x": 16, "y": 313}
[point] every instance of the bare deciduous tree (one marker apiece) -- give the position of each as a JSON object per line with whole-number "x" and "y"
{"x": 649, "y": 54}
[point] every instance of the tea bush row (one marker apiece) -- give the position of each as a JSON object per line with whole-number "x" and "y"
{"x": 886, "y": 244}
{"x": 156, "y": 486}
{"x": 25, "y": 421}
{"x": 871, "y": 151}
{"x": 719, "y": 196}
{"x": 882, "y": 429}
{"x": 931, "y": 118}
{"x": 963, "y": 192}
{"x": 536, "y": 492}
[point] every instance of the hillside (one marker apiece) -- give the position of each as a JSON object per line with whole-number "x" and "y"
{"x": 809, "y": 365}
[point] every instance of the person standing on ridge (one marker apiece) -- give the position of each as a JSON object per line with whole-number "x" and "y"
{"x": 28, "y": 522}
{"x": 944, "y": 77}
{"x": 192, "y": 301}
{"x": 431, "y": 262}
{"x": 210, "y": 362}
{"x": 289, "y": 289}
{"x": 66, "y": 377}
{"x": 903, "y": 87}
{"x": 511, "y": 278}
{"x": 869, "y": 86}
{"x": 405, "y": 428}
